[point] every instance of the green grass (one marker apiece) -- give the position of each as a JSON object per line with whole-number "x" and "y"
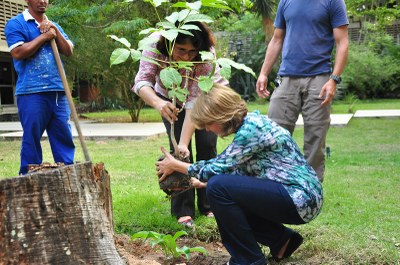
{"x": 351, "y": 105}
{"x": 359, "y": 223}
{"x": 339, "y": 107}
{"x": 146, "y": 115}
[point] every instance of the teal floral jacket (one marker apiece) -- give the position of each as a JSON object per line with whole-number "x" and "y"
{"x": 263, "y": 149}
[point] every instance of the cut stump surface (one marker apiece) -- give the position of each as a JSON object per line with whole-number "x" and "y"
{"x": 58, "y": 216}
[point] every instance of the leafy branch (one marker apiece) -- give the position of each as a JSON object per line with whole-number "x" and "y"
{"x": 179, "y": 22}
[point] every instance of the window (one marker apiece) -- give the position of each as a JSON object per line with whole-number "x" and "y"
{"x": 8, "y": 9}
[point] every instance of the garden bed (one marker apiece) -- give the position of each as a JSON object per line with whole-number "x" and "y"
{"x": 138, "y": 252}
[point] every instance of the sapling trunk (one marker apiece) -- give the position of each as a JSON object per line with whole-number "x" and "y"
{"x": 172, "y": 133}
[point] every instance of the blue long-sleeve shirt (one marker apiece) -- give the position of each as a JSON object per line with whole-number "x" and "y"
{"x": 263, "y": 149}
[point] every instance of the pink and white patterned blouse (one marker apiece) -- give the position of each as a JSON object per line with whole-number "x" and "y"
{"x": 149, "y": 75}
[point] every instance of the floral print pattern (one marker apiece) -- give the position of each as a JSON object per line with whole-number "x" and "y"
{"x": 263, "y": 149}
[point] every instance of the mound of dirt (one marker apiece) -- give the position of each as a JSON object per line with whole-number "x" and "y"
{"x": 138, "y": 252}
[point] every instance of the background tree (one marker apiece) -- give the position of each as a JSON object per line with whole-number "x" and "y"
{"x": 372, "y": 69}
{"x": 265, "y": 9}
{"x": 180, "y": 21}
{"x": 88, "y": 23}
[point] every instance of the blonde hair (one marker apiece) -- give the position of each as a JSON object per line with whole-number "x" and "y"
{"x": 221, "y": 105}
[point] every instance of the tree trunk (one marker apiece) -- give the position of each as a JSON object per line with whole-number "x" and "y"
{"x": 58, "y": 216}
{"x": 268, "y": 27}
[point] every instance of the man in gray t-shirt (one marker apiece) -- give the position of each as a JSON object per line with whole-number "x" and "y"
{"x": 306, "y": 32}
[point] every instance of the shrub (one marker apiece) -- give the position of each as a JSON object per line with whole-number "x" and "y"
{"x": 371, "y": 73}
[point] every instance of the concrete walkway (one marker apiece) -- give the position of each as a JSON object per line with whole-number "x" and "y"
{"x": 337, "y": 120}
{"x": 95, "y": 131}
{"x": 377, "y": 113}
{"x": 139, "y": 131}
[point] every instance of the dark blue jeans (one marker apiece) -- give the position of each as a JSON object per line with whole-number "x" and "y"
{"x": 45, "y": 111}
{"x": 250, "y": 211}
{"x": 206, "y": 148}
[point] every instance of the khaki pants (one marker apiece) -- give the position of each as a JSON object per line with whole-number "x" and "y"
{"x": 301, "y": 95}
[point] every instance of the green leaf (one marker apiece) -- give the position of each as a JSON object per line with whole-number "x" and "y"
{"x": 207, "y": 56}
{"x": 141, "y": 234}
{"x": 199, "y": 18}
{"x": 147, "y": 31}
{"x": 205, "y": 83}
{"x": 179, "y": 5}
{"x": 170, "y": 34}
{"x": 146, "y": 235}
{"x": 183, "y": 92}
{"x": 180, "y": 233}
{"x": 121, "y": 40}
{"x": 184, "y": 64}
{"x": 173, "y": 17}
{"x": 185, "y": 32}
{"x": 150, "y": 60}
{"x": 180, "y": 94}
{"x": 239, "y": 66}
{"x": 195, "y": 6}
{"x": 186, "y": 251}
{"x": 147, "y": 42}
{"x": 171, "y": 245}
{"x": 170, "y": 77}
{"x": 159, "y": 2}
{"x": 166, "y": 25}
{"x": 245, "y": 68}
{"x": 135, "y": 55}
{"x": 199, "y": 249}
{"x": 224, "y": 62}
{"x": 226, "y": 72}
{"x": 119, "y": 55}
{"x": 156, "y": 3}
{"x": 190, "y": 27}
{"x": 216, "y": 4}
{"x": 183, "y": 14}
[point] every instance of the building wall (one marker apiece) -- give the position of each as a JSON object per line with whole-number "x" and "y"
{"x": 8, "y": 9}
{"x": 357, "y": 31}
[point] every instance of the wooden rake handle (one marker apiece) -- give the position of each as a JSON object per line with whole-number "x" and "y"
{"x": 69, "y": 97}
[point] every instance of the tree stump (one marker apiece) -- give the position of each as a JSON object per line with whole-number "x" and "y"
{"x": 58, "y": 216}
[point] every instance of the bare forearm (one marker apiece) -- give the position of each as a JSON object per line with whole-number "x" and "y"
{"x": 187, "y": 130}
{"x": 271, "y": 56}
{"x": 340, "y": 58}
{"x": 64, "y": 46}
{"x": 181, "y": 166}
{"x": 149, "y": 97}
{"x": 28, "y": 49}
{"x": 342, "y": 46}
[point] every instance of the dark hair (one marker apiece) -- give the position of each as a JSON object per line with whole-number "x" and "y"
{"x": 202, "y": 39}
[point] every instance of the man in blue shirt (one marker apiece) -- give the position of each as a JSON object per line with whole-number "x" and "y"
{"x": 42, "y": 103}
{"x": 305, "y": 32}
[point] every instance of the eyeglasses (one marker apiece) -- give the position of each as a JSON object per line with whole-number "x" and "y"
{"x": 183, "y": 52}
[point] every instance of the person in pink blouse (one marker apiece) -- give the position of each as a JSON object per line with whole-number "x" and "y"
{"x": 149, "y": 87}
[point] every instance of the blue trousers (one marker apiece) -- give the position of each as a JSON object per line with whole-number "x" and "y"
{"x": 250, "y": 211}
{"x": 45, "y": 111}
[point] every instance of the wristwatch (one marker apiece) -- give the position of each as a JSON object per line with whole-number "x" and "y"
{"x": 336, "y": 78}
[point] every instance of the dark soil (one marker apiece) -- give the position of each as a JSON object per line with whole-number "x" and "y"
{"x": 139, "y": 253}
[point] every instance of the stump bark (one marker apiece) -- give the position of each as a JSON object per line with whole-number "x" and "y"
{"x": 58, "y": 216}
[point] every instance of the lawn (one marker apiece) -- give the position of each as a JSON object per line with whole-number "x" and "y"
{"x": 339, "y": 107}
{"x": 359, "y": 223}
